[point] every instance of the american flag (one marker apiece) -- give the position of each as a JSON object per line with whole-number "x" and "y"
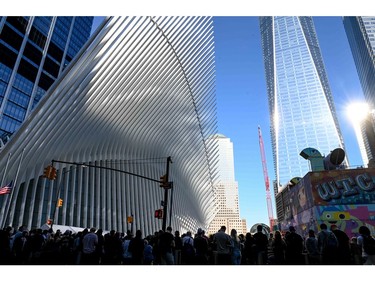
{"x": 6, "y": 189}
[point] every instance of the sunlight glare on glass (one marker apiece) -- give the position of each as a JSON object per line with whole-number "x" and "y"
{"x": 357, "y": 112}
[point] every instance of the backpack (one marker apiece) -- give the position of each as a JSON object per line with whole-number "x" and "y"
{"x": 369, "y": 245}
{"x": 188, "y": 249}
{"x": 331, "y": 241}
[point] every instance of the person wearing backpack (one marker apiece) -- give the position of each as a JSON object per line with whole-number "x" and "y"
{"x": 327, "y": 245}
{"x": 188, "y": 250}
{"x": 367, "y": 243}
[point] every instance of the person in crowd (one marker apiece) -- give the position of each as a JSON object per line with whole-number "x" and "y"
{"x": 166, "y": 246}
{"x": 343, "y": 247}
{"x": 201, "y": 248}
{"x": 261, "y": 246}
{"x": 188, "y": 250}
{"x": 278, "y": 247}
{"x": 327, "y": 245}
{"x": 20, "y": 248}
{"x": 65, "y": 248}
{"x": 236, "y": 247}
{"x": 355, "y": 251}
{"x": 242, "y": 241}
{"x": 212, "y": 253}
{"x": 136, "y": 247}
{"x": 155, "y": 247}
{"x": 112, "y": 248}
{"x": 177, "y": 247}
{"x": 249, "y": 249}
{"x": 89, "y": 254}
{"x": 100, "y": 246}
{"x": 77, "y": 247}
{"x": 294, "y": 248}
{"x": 311, "y": 246}
{"x": 126, "y": 254}
{"x": 223, "y": 246}
{"x": 367, "y": 244}
{"x": 36, "y": 243}
{"x": 148, "y": 257}
{"x": 5, "y": 249}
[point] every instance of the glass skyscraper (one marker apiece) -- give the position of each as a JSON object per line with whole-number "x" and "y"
{"x": 300, "y": 102}
{"x": 33, "y": 53}
{"x": 361, "y": 36}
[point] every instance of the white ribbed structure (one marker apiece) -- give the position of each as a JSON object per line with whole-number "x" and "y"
{"x": 141, "y": 88}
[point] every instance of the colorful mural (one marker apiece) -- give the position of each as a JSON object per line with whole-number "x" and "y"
{"x": 342, "y": 197}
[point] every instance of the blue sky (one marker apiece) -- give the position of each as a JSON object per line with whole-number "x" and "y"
{"x": 242, "y": 100}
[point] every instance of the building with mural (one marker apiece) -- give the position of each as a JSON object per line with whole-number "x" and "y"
{"x": 342, "y": 197}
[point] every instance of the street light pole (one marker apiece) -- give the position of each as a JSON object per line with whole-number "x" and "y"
{"x": 165, "y": 205}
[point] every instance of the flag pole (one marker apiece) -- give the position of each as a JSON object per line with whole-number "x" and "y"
{"x": 6, "y": 169}
{"x": 14, "y": 186}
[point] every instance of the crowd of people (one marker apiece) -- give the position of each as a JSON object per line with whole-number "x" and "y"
{"x": 92, "y": 247}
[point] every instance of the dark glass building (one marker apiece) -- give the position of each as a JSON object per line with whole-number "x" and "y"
{"x": 361, "y": 36}
{"x": 33, "y": 53}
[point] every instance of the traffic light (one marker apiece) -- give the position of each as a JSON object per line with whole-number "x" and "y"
{"x": 59, "y": 202}
{"x": 47, "y": 172}
{"x": 163, "y": 182}
{"x": 53, "y": 173}
{"x": 159, "y": 213}
{"x": 50, "y": 172}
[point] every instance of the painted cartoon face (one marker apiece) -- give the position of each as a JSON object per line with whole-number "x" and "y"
{"x": 335, "y": 216}
{"x": 301, "y": 195}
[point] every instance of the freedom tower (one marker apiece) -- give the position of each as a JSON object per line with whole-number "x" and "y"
{"x": 302, "y": 111}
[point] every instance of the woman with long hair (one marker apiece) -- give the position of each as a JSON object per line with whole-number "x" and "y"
{"x": 236, "y": 248}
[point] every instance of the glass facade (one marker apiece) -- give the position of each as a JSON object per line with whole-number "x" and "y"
{"x": 33, "y": 53}
{"x": 301, "y": 107}
{"x": 361, "y": 36}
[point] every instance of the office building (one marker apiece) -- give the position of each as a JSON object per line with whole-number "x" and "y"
{"x": 139, "y": 93}
{"x": 33, "y": 53}
{"x": 361, "y": 37}
{"x": 226, "y": 191}
{"x": 302, "y": 111}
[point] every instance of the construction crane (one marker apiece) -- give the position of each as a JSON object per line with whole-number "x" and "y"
{"x": 266, "y": 180}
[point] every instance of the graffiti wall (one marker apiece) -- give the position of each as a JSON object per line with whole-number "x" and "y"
{"x": 342, "y": 197}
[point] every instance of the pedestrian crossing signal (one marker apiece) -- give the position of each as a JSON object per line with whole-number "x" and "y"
{"x": 59, "y": 202}
{"x": 159, "y": 213}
